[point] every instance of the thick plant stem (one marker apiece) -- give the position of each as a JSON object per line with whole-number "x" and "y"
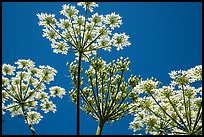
{"x": 28, "y": 122}
{"x": 78, "y": 90}
{"x": 100, "y": 127}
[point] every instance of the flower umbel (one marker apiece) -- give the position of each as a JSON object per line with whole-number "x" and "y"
{"x": 82, "y": 34}
{"x": 106, "y": 97}
{"x": 170, "y": 110}
{"x": 23, "y": 90}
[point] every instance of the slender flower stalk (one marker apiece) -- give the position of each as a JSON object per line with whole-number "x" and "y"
{"x": 23, "y": 91}
{"x": 27, "y": 120}
{"x": 100, "y": 127}
{"x": 170, "y": 110}
{"x": 82, "y": 35}
{"x": 106, "y": 98}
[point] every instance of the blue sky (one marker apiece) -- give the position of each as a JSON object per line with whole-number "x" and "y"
{"x": 164, "y": 36}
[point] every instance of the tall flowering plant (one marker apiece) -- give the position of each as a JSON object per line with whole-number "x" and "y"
{"x": 106, "y": 98}
{"x": 23, "y": 91}
{"x": 82, "y": 35}
{"x": 170, "y": 110}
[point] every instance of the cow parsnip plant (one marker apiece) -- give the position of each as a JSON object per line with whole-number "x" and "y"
{"x": 170, "y": 110}
{"x": 24, "y": 91}
{"x": 106, "y": 98}
{"x": 82, "y": 35}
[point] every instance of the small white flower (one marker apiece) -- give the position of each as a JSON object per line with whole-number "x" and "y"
{"x": 5, "y": 81}
{"x": 34, "y": 117}
{"x": 104, "y": 42}
{"x": 15, "y": 111}
{"x": 114, "y": 20}
{"x": 47, "y": 106}
{"x": 89, "y": 5}
{"x": 79, "y": 21}
{"x": 47, "y": 73}
{"x": 8, "y": 69}
{"x": 60, "y": 47}
{"x": 25, "y": 63}
{"x": 97, "y": 19}
{"x": 64, "y": 24}
{"x": 120, "y": 40}
{"x": 46, "y": 19}
{"x": 50, "y": 34}
{"x": 57, "y": 91}
{"x": 69, "y": 11}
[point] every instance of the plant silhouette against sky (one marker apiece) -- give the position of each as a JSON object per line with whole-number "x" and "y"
{"x": 102, "y": 90}
{"x": 23, "y": 91}
{"x": 106, "y": 95}
{"x": 82, "y": 35}
{"x": 170, "y": 110}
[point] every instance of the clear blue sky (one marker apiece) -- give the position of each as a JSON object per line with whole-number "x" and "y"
{"x": 164, "y": 36}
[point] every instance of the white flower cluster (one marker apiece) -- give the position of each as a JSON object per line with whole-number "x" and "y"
{"x": 82, "y": 34}
{"x": 88, "y": 5}
{"x": 170, "y": 110}
{"x": 23, "y": 90}
{"x": 186, "y": 77}
{"x": 147, "y": 86}
{"x": 106, "y": 96}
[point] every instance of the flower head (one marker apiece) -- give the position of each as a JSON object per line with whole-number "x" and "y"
{"x": 88, "y": 5}
{"x": 69, "y": 11}
{"x": 60, "y": 47}
{"x": 169, "y": 110}
{"x": 46, "y": 19}
{"x": 83, "y": 34}
{"x": 57, "y": 91}
{"x": 47, "y": 106}
{"x": 8, "y": 69}
{"x": 113, "y": 20}
{"x": 25, "y": 90}
{"x": 107, "y": 93}
{"x": 34, "y": 117}
{"x": 120, "y": 40}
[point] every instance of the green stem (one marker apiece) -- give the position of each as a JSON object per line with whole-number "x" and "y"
{"x": 118, "y": 106}
{"x": 78, "y": 90}
{"x": 177, "y": 112}
{"x": 71, "y": 37}
{"x": 89, "y": 32}
{"x": 21, "y": 93}
{"x": 34, "y": 90}
{"x": 97, "y": 104}
{"x": 63, "y": 37}
{"x": 100, "y": 127}
{"x": 198, "y": 116}
{"x": 9, "y": 107}
{"x": 87, "y": 102}
{"x": 181, "y": 127}
{"x": 7, "y": 91}
{"x": 23, "y": 97}
{"x": 95, "y": 38}
{"x": 84, "y": 26}
{"x": 189, "y": 107}
{"x": 184, "y": 101}
{"x": 102, "y": 98}
{"x": 107, "y": 96}
{"x": 99, "y": 109}
{"x": 28, "y": 122}
{"x": 114, "y": 99}
{"x": 17, "y": 95}
{"x": 74, "y": 31}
